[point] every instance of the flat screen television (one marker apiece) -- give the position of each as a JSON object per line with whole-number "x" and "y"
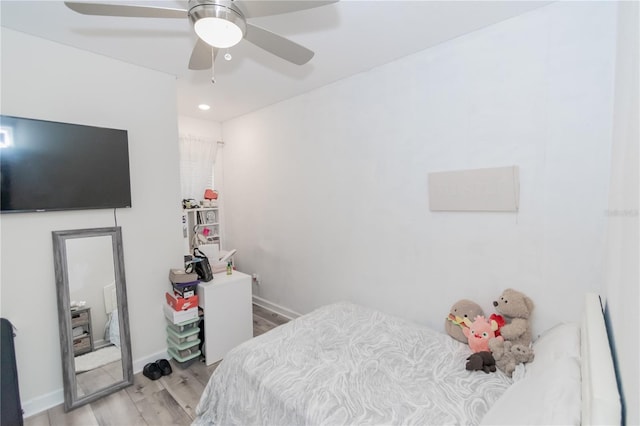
{"x": 47, "y": 166}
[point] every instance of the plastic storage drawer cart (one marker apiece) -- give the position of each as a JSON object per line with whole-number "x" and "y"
{"x": 183, "y": 342}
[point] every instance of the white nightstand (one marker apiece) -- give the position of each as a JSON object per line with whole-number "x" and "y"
{"x": 228, "y": 317}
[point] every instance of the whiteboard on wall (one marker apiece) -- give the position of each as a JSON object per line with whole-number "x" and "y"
{"x": 494, "y": 189}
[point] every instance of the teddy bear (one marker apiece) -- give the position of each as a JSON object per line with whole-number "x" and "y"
{"x": 483, "y": 361}
{"x": 460, "y": 310}
{"x": 516, "y": 309}
{"x": 508, "y": 355}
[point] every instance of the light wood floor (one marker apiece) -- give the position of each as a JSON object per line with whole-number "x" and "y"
{"x": 170, "y": 400}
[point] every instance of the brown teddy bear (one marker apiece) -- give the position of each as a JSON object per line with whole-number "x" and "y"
{"x": 508, "y": 355}
{"x": 455, "y": 321}
{"x": 516, "y": 309}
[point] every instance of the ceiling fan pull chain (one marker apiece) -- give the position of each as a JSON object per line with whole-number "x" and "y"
{"x": 213, "y": 66}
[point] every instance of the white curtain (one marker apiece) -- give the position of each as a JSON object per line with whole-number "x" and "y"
{"x": 197, "y": 158}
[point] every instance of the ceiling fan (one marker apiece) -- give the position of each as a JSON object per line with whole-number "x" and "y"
{"x": 219, "y": 24}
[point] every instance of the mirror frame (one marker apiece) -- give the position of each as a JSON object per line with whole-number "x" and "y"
{"x": 71, "y": 399}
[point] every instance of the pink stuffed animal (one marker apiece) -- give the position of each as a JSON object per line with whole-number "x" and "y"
{"x": 479, "y": 332}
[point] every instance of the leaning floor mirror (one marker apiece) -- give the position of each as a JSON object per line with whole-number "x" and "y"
{"x": 95, "y": 342}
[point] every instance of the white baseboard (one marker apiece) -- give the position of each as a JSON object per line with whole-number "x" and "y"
{"x": 139, "y": 363}
{"x": 50, "y": 400}
{"x": 280, "y": 310}
{"x": 41, "y": 403}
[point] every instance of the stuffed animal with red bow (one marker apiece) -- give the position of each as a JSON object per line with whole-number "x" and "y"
{"x": 479, "y": 332}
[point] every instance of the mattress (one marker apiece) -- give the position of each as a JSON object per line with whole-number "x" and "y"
{"x": 347, "y": 364}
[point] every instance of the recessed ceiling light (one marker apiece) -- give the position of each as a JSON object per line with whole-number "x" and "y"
{"x": 204, "y": 107}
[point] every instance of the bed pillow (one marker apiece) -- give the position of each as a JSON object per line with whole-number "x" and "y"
{"x": 550, "y": 398}
{"x": 560, "y": 341}
{"x": 114, "y": 328}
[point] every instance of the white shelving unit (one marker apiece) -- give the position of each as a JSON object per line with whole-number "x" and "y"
{"x": 202, "y": 227}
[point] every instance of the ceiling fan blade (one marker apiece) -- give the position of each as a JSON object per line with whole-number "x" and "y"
{"x": 257, "y": 8}
{"x": 202, "y": 56}
{"x": 278, "y": 45}
{"x": 125, "y": 10}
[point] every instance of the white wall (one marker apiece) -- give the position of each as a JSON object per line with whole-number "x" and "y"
{"x": 622, "y": 254}
{"x": 203, "y": 128}
{"x": 45, "y": 80}
{"x": 327, "y": 192}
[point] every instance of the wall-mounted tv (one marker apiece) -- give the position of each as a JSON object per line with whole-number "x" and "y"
{"x": 47, "y": 166}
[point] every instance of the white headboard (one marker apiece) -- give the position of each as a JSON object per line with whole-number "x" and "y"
{"x": 600, "y": 398}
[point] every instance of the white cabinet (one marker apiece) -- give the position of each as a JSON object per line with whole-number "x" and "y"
{"x": 228, "y": 318}
{"x": 202, "y": 226}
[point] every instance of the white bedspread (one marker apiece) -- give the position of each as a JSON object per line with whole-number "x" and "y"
{"x": 346, "y": 364}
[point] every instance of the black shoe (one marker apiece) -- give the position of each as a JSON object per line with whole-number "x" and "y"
{"x": 164, "y": 366}
{"x": 152, "y": 371}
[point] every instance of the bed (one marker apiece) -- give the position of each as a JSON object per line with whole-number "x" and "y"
{"x": 348, "y": 364}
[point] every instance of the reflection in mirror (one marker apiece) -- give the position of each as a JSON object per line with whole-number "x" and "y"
{"x": 96, "y": 347}
{"x": 92, "y": 310}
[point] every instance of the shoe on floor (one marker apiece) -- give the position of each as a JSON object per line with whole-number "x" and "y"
{"x": 165, "y": 367}
{"x": 152, "y": 371}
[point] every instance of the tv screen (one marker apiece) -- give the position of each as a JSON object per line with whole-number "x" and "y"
{"x": 46, "y": 166}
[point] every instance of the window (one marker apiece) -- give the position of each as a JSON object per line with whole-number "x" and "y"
{"x": 197, "y": 158}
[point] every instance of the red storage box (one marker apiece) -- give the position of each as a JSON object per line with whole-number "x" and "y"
{"x": 182, "y": 303}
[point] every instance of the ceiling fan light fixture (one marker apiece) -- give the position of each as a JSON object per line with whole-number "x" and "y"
{"x": 218, "y": 25}
{"x": 218, "y": 32}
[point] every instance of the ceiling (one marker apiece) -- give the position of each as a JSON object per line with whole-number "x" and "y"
{"x": 348, "y": 37}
